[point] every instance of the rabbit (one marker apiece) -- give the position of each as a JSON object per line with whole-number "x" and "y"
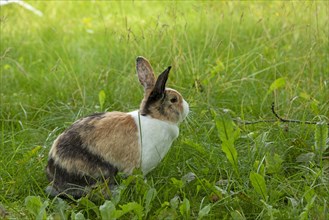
{"x": 97, "y": 147}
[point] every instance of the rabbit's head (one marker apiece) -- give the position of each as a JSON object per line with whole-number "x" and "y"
{"x": 159, "y": 102}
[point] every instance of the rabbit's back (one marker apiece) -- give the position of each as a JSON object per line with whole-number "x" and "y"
{"x": 94, "y": 147}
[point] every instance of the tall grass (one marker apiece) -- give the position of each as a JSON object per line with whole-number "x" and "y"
{"x": 225, "y": 57}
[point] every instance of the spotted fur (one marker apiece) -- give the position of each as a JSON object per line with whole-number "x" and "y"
{"x": 98, "y": 146}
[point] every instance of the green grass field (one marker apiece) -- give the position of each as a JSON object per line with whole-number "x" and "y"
{"x": 230, "y": 61}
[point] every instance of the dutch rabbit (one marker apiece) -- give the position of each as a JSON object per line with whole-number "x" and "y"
{"x": 98, "y": 146}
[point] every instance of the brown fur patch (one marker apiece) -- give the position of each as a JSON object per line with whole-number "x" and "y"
{"x": 78, "y": 166}
{"x": 165, "y": 109}
{"x": 112, "y": 138}
{"x": 115, "y": 138}
{"x": 53, "y": 149}
{"x": 145, "y": 73}
{"x": 146, "y": 77}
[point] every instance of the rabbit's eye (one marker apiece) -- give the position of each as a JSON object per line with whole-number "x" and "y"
{"x": 173, "y": 100}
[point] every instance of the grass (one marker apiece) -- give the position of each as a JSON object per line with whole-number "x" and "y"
{"x": 230, "y": 60}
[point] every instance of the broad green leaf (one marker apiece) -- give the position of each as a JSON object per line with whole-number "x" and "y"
{"x": 78, "y": 216}
{"x": 259, "y": 167}
{"x": 60, "y": 208}
{"x": 184, "y": 208}
{"x": 174, "y": 202}
{"x": 101, "y": 98}
{"x": 108, "y": 210}
{"x": 305, "y": 158}
{"x": 167, "y": 213}
{"x": 178, "y": 183}
{"x": 130, "y": 207}
{"x": 165, "y": 204}
{"x": 225, "y": 128}
{"x": 35, "y": 206}
{"x": 228, "y": 133}
{"x": 117, "y": 192}
{"x": 231, "y": 153}
{"x": 189, "y": 177}
{"x": 204, "y": 211}
{"x": 278, "y": 83}
{"x": 42, "y": 212}
{"x": 258, "y": 182}
{"x": 321, "y": 135}
{"x": 273, "y": 163}
{"x": 148, "y": 198}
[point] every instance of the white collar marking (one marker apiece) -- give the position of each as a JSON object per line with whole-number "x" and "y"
{"x": 155, "y": 139}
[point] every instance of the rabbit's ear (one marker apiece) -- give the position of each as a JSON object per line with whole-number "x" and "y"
{"x": 145, "y": 73}
{"x": 160, "y": 84}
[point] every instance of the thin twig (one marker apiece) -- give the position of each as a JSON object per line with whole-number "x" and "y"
{"x": 291, "y": 120}
{"x": 238, "y": 120}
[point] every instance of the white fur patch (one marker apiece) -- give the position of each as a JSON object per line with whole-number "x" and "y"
{"x": 157, "y": 137}
{"x": 186, "y": 110}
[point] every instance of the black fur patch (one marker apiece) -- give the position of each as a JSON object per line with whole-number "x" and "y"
{"x": 67, "y": 183}
{"x": 87, "y": 122}
{"x": 158, "y": 93}
{"x": 153, "y": 98}
{"x": 72, "y": 183}
{"x": 71, "y": 146}
{"x": 61, "y": 177}
{"x": 98, "y": 116}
